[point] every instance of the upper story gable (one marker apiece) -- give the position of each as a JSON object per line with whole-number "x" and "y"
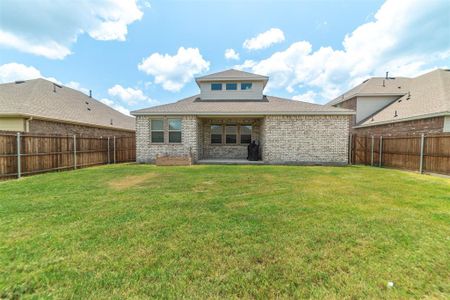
{"x": 232, "y": 85}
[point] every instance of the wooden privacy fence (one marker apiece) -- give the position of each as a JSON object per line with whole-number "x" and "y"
{"x": 28, "y": 154}
{"x": 424, "y": 153}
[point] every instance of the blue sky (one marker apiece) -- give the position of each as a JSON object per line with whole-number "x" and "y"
{"x": 135, "y": 54}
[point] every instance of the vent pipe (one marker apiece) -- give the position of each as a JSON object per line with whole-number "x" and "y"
{"x": 90, "y": 93}
{"x": 54, "y": 88}
{"x": 387, "y": 75}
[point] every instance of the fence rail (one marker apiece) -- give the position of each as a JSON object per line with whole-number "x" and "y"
{"x": 424, "y": 153}
{"x": 28, "y": 154}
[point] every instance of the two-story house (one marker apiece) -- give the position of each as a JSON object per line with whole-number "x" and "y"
{"x": 396, "y": 106}
{"x": 231, "y": 111}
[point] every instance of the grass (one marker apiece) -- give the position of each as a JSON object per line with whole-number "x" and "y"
{"x": 140, "y": 231}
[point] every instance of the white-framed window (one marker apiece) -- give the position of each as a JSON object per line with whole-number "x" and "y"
{"x": 231, "y": 86}
{"x": 246, "y": 134}
{"x": 246, "y": 86}
{"x": 231, "y": 134}
{"x": 157, "y": 130}
{"x": 216, "y": 86}
{"x": 216, "y": 134}
{"x": 174, "y": 131}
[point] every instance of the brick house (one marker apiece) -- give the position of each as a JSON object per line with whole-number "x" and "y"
{"x": 43, "y": 107}
{"x": 400, "y": 106}
{"x": 230, "y": 112}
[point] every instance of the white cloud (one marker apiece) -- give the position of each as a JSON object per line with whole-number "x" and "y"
{"x": 406, "y": 38}
{"x": 265, "y": 39}
{"x": 248, "y": 64}
{"x": 14, "y": 71}
{"x": 309, "y": 96}
{"x": 58, "y": 23}
{"x": 77, "y": 86}
{"x": 174, "y": 71}
{"x": 231, "y": 54}
{"x": 129, "y": 95}
{"x": 115, "y": 106}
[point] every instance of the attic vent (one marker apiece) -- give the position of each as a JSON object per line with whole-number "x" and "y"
{"x": 399, "y": 87}
{"x": 395, "y": 114}
{"x": 19, "y": 81}
{"x": 88, "y": 109}
{"x": 87, "y": 103}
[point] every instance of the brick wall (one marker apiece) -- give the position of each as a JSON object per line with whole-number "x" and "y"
{"x": 349, "y": 104}
{"x": 306, "y": 139}
{"x": 224, "y": 151}
{"x": 415, "y": 127}
{"x": 146, "y": 152}
{"x": 48, "y": 127}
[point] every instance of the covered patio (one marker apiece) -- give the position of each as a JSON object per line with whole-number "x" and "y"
{"x": 224, "y": 140}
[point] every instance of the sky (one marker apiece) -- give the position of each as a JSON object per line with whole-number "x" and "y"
{"x": 136, "y": 54}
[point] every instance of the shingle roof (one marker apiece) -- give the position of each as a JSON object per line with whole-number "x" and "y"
{"x": 429, "y": 94}
{"x": 231, "y": 74}
{"x": 36, "y": 98}
{"x": 268, "y": 106}
{"x": 376, "y": 86}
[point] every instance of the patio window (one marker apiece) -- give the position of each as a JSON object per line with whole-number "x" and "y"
{"x": 231, "y": 134}
{"x": 157, "y": 130}
{"x": 216, "y": 86}
{"x": 231, "y": 86}
{"x": 246, "y": 134}
{"x": 174, "y": 130}
{"x": 216, "y": 134}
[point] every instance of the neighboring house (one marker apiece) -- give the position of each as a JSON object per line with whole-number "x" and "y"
{"x": 400, "y": 106}
{"x": 230, "y": 112}
{"x": 44, "y": 107}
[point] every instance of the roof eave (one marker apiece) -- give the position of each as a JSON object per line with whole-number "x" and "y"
{"x": 364, "y": 95}
{"x": 426, "y": 116}
{"x": 245, "y": 113}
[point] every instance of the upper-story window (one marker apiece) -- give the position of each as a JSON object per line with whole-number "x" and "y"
{"x": 216, "y": 86}
{"x": 231, "y": 86}
{"x": 246, "y": 86}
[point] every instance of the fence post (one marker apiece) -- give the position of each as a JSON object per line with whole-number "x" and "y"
{"x": 350, "y": 149}
{"x": 19, "y": 167}
{"x": 422, "y": 143}
{"x": 109, "y": 159}
{"x": 380, "y": 153}
{"x": 114, "y": 149}
{"x": 75, "y": 151}
{"x": 371, "y": 151}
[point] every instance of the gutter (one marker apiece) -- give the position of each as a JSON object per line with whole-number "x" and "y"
{"x": 427, "y": 116}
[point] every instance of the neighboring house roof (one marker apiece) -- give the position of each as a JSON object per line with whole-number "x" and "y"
{"x": 376, "y": 86}
{"x": 42, "y": 99}
{"x": 268, "y": 106}
{"x": 428, "y": 95}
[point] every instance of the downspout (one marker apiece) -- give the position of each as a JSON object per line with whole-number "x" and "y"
{"x": 27, "y": 124}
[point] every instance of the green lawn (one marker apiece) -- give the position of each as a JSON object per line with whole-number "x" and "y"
{"x": 138, "y": 231}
